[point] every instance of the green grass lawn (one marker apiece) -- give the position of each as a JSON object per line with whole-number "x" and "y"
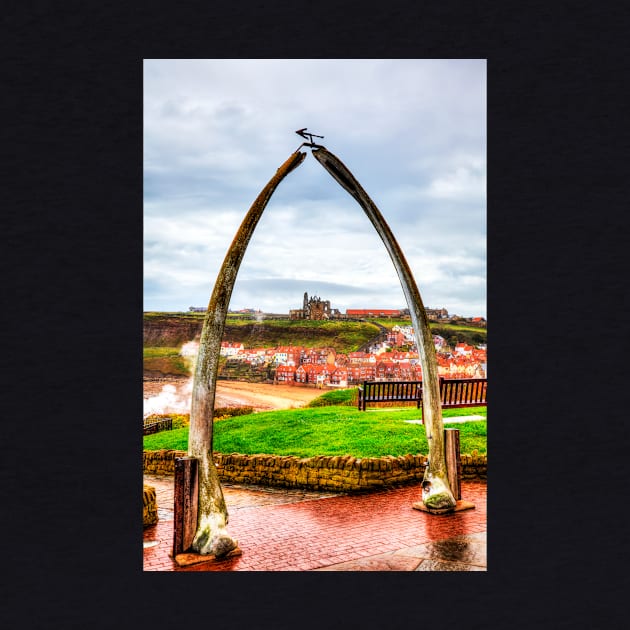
{"x": 330, "y": 430}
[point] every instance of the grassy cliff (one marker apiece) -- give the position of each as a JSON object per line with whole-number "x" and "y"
{"x": 171, "y": 330}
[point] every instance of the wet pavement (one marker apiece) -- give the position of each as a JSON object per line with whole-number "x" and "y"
{"x": 299, "y": 530}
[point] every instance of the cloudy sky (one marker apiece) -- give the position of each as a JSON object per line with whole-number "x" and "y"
{"x": 412, "y": 131}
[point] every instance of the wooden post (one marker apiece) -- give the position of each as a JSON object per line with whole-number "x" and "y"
{"x": 186, "y": 501}
{"x": 453, "y": 461}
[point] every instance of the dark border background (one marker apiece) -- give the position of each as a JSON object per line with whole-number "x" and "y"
{"x": 557, "y": 157}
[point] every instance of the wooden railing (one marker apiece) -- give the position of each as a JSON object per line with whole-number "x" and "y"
{"x": 461, "y": 392}
{"x": 149, "y": 428}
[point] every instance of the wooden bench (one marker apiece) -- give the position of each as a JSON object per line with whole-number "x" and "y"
{"x": 461, "y": 392}
{"x": 389, "y": 391}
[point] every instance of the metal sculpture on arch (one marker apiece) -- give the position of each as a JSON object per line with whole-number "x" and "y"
{"x": 211, "y": 536}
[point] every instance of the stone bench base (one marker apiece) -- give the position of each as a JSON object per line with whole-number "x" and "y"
{"x": 149, "y": 506}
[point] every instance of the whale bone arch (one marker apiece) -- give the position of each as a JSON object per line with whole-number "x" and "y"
{"x": 211, "y": 536}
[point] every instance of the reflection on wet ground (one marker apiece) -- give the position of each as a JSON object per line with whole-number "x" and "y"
{"x": 300, "y": 530}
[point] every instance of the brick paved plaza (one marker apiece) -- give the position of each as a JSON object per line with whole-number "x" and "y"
{"x": 295, "y": 530}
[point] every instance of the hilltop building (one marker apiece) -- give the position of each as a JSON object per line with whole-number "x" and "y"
{"x": 374, "y": 312}
{"x": 314, "y": 308}
{"x": 436, "y": 313}
{"x": 402, "y": 313}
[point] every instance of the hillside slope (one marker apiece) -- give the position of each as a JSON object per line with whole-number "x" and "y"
{"x": 173, "y": 329}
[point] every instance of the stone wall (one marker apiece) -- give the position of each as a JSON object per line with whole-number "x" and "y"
{"x": 333, "y": 474}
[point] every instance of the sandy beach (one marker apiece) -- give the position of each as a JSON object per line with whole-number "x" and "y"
{"x": 173, "y": 395}
{"x": 264, "y": 396}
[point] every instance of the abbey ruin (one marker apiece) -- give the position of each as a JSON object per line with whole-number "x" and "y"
{"x": 315, "y": 308}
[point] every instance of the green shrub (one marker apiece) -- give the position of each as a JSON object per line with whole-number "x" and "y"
{"x": 166, "y": 360}
{"x": 336, "y": 397}
{"x": 220, "y": 413}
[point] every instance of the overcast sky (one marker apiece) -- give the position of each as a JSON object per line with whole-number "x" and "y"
{"x": 412, "y": 131}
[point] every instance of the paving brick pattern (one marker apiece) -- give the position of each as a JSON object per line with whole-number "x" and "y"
{"x": 292, "y": 530}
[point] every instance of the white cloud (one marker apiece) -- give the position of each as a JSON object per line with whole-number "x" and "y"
{"x": 412, "y": 132}
{"x": 461, "y": 184}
